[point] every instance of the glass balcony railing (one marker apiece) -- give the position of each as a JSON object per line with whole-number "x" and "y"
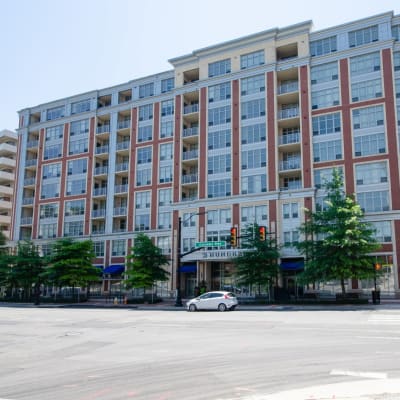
{"x": 103, "y": 128}
{"x": 294, "y": 163}
{"x": 288, "y": 113}
{"x": 124, "y": 124}
{"x": 123, "y": 145}
{"x": 187, "y": 132}
{"x": 101, "y": 212}
{"x": 192, "y": 108}
{"x": 188, "y": 155}
{"x": 100, "y": 191}
{"x": 120, "y": 188}
{"x": 101, "y": 170}
{"x": 288, "y": 87}
{"x": 289, "y": 138}
{"x": 192, "y": 178}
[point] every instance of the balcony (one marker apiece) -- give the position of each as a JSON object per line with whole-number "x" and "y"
{"x": 100, "y": 213}
{"x": 26, "y": 201}
{"x": 119, "y": 211}
{"x": 190, "y": 109}
{"x": 192, "y": 178}
{"x": 31, "y": 162}
{"x": 26, "y": 220}
{"x": 289, "y": 113}
{"x": 294, "y": 163}
{"x": 101, "y": 170}
{"x": 29, "y": 181}
{"x": 122, "y": 166}
{"x": 290, "y": 138}
{"x": 100, "y": 191}
{"x": 98, "y": 230}
{"x": 187, "y": 132}
{"x": 32, "y": 144}
{"x": 189, "y": 155}
{"x": 102, "y": 149}
{"x": 125, "y": 124}
{"x": 288, "y": 87}
{"x": 103, "y": 129}
{"x": 124, "y": 145}
{"x": 121, "y": 188}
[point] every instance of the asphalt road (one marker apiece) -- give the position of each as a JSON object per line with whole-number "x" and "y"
{"x": 107, "y": 354}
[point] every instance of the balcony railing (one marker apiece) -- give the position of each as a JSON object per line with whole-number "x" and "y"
{"x": 117, "y": 230}
{"x": 189, "y": 198}
{"x": 188, "y": 155}
{"x": 187, "y": 132}
{"x": 26, "y": 220}
{"x": 123, "y": 145}
{"x": 100, "y": 191}
{"x": 101, "y": 212}
{"x": 121, "y": 188}
{"x": 102, "y": 149}
{"x": 119, "y": 211}
{"x": 124, "y": 124}
{"x": 289, "y": 113}
{"x": 30, "y": 162}
{"x": 288, "y": 87}
{"x": 292, "y": 186}
{"x": 32, "y": 143}
{"x": 192, "y": 108}
{"x": 290, "y": 164}
{"x": 122, "y": 166}
{"x": 27, "y": 201}
{"x": 103, "y": 128}
{"x": 290, "y": 138}
{"x": 192, "y": 178}
{"x": 29, "y": 181}
{"x": 98, "y": 231}
{"x": 101, "y": 170}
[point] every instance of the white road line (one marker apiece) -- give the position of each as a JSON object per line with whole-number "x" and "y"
{"x": 372, "y": 375}
{"x": 380, "y": 338}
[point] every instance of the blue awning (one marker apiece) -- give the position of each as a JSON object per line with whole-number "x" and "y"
{"x": 291, "y": 265}
{"x": 188, "y": 268}
{"x": 114, "y": 269}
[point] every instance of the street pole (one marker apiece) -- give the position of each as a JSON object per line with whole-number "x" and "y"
{"x": 178, "y": 301}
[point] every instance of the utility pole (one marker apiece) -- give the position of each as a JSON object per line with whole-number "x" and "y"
{"x": 178, "y": 300}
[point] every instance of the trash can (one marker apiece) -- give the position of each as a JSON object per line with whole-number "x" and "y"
{"x": 376, "y": 296}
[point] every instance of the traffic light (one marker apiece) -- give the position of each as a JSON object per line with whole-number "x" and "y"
{"x": 378, "y": 267}
{"x": 262, "y": 231}
{"x": 233, "y": 237}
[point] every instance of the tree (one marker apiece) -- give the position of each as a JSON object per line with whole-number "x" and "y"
{"x": 258, "y": 265}
{"x": 145, "y": 264}
{"x": 71, "y": 263}
{"x": 337, "y": 241}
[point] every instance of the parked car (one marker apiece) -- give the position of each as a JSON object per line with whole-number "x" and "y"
{"x": 219, "y": 300}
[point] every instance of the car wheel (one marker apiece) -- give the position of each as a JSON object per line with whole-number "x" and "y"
{"x": 232, "y": 308}
{"x": 222, "y": 307}
{"x": 192, "y": 307}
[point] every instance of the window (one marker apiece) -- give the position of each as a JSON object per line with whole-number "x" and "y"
{"x": 253, "y": 109}
{"x": 371, "y": 173}
{"x": 326, "y": 124}
{"x": 164, "y": 243}
{"x": 367, "y": 145}
{"x": 219, "y": 188}
{"x": 365, "y": 64}
{"x": 73, "y": 228}
{"x": 219, "y": 139}
{"x": 167, "y": 129}
{"x": 219, "y": 92}
{"x": 323, "y": 46}
{"x": 396, "y": 60}
{"x": 325, "y": 98}
{"x": 324, "y": 175}
{"x": 143, "y": 177}
{"x": 253, "y": 84}
{"x": 396, "y": 32}
{"x": 290, "y": 210}
{"x": 221, "y": 216}
{"x": 79, "y": 127}
{"x": 252, "y": 59}
{"x": 142, "y": 222}
{"x": 219, "y": 68}
{"x": 146, "y": 90}
{"x": 220, "y": 115}
{"x": 256, "y": 158}
{"x": 254, "y": 184}
{"x": 291, "y": 183}
{"x": 167, "y": 108}
{"x": 164, "y": 197}
{"x": 98, "y": 249}
{"x": 75, "y": 207}
{"x": 383, "y": 231}
{"x": 78, "y": 146}
{"x": 290, "y": 135}
{"x": 145, "y": 133}
{"x": 374, "y": 201}
{"x": 78, "y": 166}
{"x": 51, "y": 171}
{"x": 257, "y": 214}
{"x": 397, "y": 88}
{"x": 219, "y": 164}
{"x": 363, "y": 36}
{"x": 166, "y": 151}
{"x": 164, "y": 220}
{"x": 52, "y": 151}
{"x": 48, "y": 211}
{"x": 366, "y": 90}
{"x": 47, "y": 231}
{"x": 290, "y": 237}
{"x": 56, "y": 112}
{"x": 165, "y": 174}
{"x": 144, "y": 155}
{"x": 253, "y": 133}
{"x": 80, "y": 106}
{"x": 324, "y": 73}
{"x": 76, "y": 186}
{"x": 50, "y": 190}
{"x": 143, "y": 200}
{"x": 326, "y": 151}
{"x": 188, "y": 244}
{"x": 54, "y": 133}
{"x": 118, "y": 247}
{"x": 189, "y": 219}
{"x": 368, "y": 117}
{"x": 146, "y": 112}
{"x": 167, "y": 85}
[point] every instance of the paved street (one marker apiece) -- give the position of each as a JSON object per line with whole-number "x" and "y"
{"x": 156, "y": 354}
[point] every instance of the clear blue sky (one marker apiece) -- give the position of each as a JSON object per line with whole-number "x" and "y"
{"x": 52, "y": 49}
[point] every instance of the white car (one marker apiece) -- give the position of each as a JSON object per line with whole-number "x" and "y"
{"x": 218, "y": 300}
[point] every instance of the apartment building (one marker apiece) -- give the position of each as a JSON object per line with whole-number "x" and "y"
{"x": 239, "y": 132}
{"x": 8, "y": 155}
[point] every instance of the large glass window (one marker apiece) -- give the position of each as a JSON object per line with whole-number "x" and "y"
{"x": 326, "y": 124}
{"x": 55, "y": 112}
{"x": 143, "y": 177}
{"x": 327, "y": 151}
{"x": 98, "y": 248}
{"x": 325, "y": 98}
{"x": 73, "y": 228}
{"x": 145, "y": 133}
{"x": 367, "y": 145}
{"x": 396, "y": 60}
{"x": 253, "y": 109}
{"x": 253, "y": 133}
{"x": 166, "y": 129}
{"x": 219, "y": 68}
{"x": 47, "y": 230}
{"x": 144, "y": 155}
{"x": 49, "y": 210}
{"x": 54, "y": 133}
{"x": 75, "y": 207}
{"x": 252, "y": 59}
{"x": 167, "y": 108}
{"x": 368, "y": 117}
{"x": 324, "y": 175}
{"x": 383, "y": 231}
{"x": 80, "y": 106}
{"x": 118, "y": 247}
{"x": 142, "y": 222}
{"x": 219, "y": 139}
{"x": 324, "y": 73}
{"x": 146, "y": 90}
{"x": 323, "y": 46}
{"x": 78, "y": 166}
{"x": 366, "y": 90}
{"x": 256, "y": 158}
{"x": 79, "y": 127}
{"x": 143, "y": 200}
{"x": 164, "y": 220}
{"x": 219, "y": 92}
{"x": 165, "y": 173}
{"x": 254, "y": 184}
{"x": 257, "y": 214}
{"x": 253, "y": 84}
{"x": 166, "y": 151}
{"x": 374, "y": 201}
{"x": 371, "y": 173}
{"x": 219, "y": 164}
{"x": 219, "y": 115}
{"x": 164, "y": 197}
{"x": 76, "y": 186}
{"x": 51, "y": 171}
{"x": 78, "y": 146}
{"x": 52, "y": 151}
{"x": 365, "y": 64}
{"x": 50, "y": 190}
{"x": 219, "y": 188}
{"x": 146, "y": 112}
{"x": 167, "y": 85}
{"x": 363, "y": 36}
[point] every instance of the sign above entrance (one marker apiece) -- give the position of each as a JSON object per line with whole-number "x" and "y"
{"x": 209, "y": 244}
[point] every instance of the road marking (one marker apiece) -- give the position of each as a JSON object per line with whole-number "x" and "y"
{"x": 372, "y": 375}
{"x": 385, "y": 319}
{"x": 379, "y": 337}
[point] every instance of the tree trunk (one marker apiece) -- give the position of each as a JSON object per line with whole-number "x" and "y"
{"x": 343, "y": 287}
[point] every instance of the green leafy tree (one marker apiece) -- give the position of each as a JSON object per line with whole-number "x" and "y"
{"x": 337, "y": 240}
{"x": 5, "y": 262}
{"x": 71, "y": 263}
{"x": 145, "y": 264}
{"x": 258, "y": 265}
